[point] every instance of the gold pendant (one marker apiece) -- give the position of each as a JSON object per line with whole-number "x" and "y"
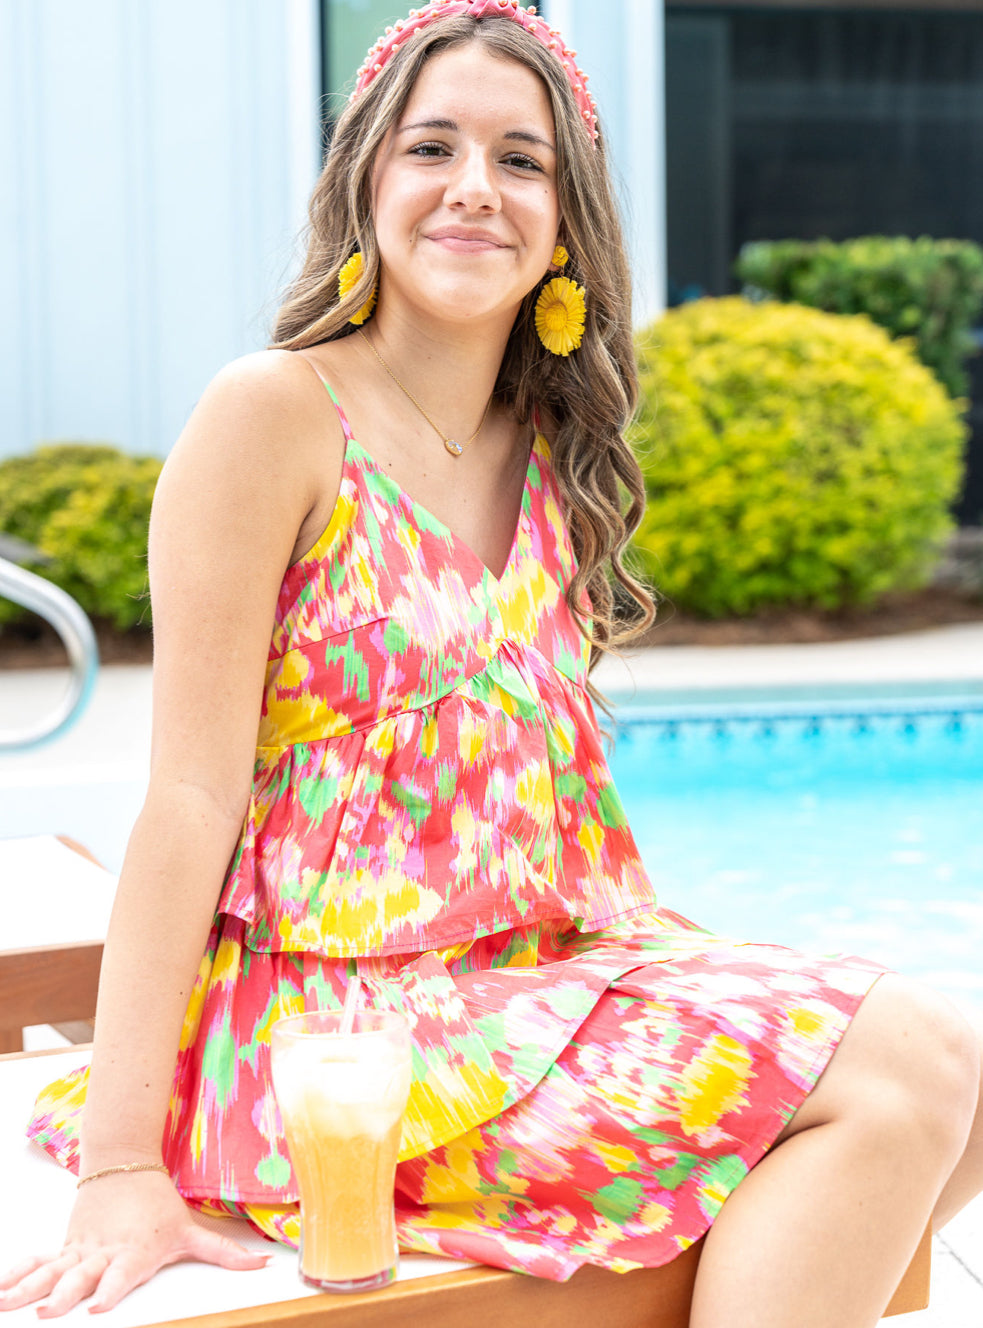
{"x": 455, "y": 449}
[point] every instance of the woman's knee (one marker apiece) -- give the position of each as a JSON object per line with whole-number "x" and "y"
{"x": 909, "y": 1060}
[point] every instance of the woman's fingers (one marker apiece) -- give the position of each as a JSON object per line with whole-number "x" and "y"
{"x": 110, "y": 1273}
{"x": 211, "y": 1247}
{"x": 37, "y": 1282}
{"x": 74, "y": 1285}
{"x": 123, "y": 1274}
{"x": 13, "y": 1275}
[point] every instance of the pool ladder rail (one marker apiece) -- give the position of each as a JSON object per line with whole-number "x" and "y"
{"x": 68, "y": 619}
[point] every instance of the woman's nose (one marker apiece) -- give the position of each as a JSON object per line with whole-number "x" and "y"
{"x": 472, "y": 184}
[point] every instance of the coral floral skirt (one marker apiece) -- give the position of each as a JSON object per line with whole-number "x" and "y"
{"x": 578, "y": 1097}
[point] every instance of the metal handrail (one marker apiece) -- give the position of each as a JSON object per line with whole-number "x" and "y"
{"x": 70, "y": 622}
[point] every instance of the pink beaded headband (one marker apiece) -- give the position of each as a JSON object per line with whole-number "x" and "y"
{"x": 397, "y": 35}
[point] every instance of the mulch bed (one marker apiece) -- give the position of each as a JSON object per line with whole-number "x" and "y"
{"x": 913, "y": 612}
{"x": 34, "y": 645}
{"x": 31, "y": 646}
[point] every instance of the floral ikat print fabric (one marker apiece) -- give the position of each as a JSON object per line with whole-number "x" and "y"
{"x": 432, "y": 809}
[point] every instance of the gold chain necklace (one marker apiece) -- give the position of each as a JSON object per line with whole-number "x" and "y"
{"x": 454, "y": 448}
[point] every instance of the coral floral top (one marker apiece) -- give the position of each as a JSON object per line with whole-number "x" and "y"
{"x": 429, "y": 768}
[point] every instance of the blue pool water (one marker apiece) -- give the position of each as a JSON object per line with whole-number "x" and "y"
{"x": 850, "y": 824}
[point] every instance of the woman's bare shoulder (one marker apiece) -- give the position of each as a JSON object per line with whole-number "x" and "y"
{"x": 269, "y": 390}
{"x": 266, "y": 416}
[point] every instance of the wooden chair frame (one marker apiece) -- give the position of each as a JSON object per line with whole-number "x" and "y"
{"x": 488, "y": 1297}
{"x": 51, "y": 984}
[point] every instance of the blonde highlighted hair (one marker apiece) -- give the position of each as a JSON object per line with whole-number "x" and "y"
{"x": 589, "y": 396}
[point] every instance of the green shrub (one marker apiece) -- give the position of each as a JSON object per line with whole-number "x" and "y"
{"x": 86, "y": 507}
{"x": 928, "y": 289}
{"x": 791, "y": 457}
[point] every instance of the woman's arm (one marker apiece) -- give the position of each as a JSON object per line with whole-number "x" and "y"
{"x": 232, "y": 498}
{"x": 226, "y": 515}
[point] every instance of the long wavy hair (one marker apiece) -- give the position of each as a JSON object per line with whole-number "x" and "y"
{"x": 589, "y": 396}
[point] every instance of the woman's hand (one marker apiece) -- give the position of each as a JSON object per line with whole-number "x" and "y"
{"x": 122, "y": 1230}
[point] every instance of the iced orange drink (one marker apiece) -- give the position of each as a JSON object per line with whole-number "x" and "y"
{"x": 342, "y": 1098}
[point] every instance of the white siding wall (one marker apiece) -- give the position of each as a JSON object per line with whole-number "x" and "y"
{"x": 620, "y": 44}
{"x": 155, "y": 159}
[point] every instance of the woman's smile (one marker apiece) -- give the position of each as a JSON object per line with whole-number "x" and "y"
{"x": 462, "y": 240}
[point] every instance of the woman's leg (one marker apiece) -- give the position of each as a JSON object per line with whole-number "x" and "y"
{"x": 820, "y": 1231}
{"x": 966, "y": 1180}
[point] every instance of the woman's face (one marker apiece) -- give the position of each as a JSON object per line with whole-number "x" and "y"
{"x": 464, "y": 190}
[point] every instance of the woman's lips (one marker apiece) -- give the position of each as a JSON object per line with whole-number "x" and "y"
{"x": 459, "y": 242}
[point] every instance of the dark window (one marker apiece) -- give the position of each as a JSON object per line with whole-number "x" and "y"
{"x": 786, "y": 123}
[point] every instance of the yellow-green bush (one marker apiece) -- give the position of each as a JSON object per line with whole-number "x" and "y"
{"x": 928, "y": 289}
{"x": 86, "y": 507}
{"x": 791, "y": 457}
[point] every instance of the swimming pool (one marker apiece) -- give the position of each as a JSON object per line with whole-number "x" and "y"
{"x": 846, "y": 821}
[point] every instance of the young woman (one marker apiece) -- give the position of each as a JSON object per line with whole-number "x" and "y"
{"x": 390, "y": 542}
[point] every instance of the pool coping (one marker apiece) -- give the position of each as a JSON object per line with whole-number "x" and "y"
{"x": 951, "y": 655}
{"x": 668, "y": 709}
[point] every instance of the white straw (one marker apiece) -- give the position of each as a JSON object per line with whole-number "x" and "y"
{"x": 350, "y": 1007}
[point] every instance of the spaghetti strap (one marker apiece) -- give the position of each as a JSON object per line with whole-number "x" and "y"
{"x": 346, "y": 428}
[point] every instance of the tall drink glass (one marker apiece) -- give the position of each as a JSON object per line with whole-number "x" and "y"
{"x": 342, "y": 1098}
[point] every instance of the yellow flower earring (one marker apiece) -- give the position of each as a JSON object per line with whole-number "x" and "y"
{"x": 561, "y": 310}
{"x": 348, "y": 278}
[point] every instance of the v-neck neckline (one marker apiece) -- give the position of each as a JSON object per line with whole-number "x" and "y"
{"x": 435, "y": 521}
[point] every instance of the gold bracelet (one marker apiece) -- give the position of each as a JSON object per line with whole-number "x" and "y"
{"x": 114, "y": 1171}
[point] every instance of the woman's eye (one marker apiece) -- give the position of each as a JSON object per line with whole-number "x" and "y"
{"x": 516, "y": 160}
{"x": 522, "y": 161}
